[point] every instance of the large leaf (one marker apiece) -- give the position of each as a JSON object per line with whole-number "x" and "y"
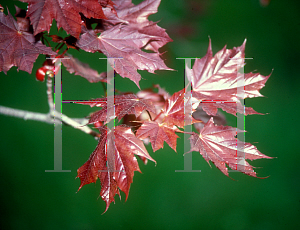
{"x": 218, "y": 84}
{"x": 219, "y": 145}
{"x": 125, "y": 34}
{"x": 99, "y": 165}
{"x": 18, "y": 48}
{"x": 123, "y": 43}
{"x": 137, "y": 18}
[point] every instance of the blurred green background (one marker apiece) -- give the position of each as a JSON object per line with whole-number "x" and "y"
{"x": 160, "y": 198}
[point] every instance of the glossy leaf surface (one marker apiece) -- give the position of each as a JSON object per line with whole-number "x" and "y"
{"x": 219, "y": 145}
{"x": 218, "y": 84}
{"x": 114, "y": 169}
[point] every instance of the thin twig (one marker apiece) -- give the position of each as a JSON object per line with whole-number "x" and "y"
{"x": 49, "y": 94}
{"x": 69, "y": 121}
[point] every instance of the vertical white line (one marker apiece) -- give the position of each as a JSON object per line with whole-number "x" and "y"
{"x": 188, "y": 157}
{"x": 58, "y": 122}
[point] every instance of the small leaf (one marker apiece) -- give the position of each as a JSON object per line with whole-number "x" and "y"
{"x": 158, "y": 133}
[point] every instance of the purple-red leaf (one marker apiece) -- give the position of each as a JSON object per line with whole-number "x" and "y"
{"x": 18, "y": 48}
{"x": 138, "y": 13}
{"x": 123, "y": 43}
{"x": 65, "y": 12}
{"x": 137, "y": 17}
{"x": 158, "y": 133}
{"x": 126, "y": 32}
{"x": 219, "y": 145}
{"x": 114, "y": 172}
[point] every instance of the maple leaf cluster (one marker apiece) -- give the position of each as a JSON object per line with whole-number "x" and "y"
{"x": 157, "y": 117}
{"x": 121, "y": 31}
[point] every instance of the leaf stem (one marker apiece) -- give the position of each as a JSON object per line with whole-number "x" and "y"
{"x": 158, "y": 115}
{"x": 149, "y": 115}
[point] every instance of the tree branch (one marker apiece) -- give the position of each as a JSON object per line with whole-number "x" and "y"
{"x": 77, "y": 123}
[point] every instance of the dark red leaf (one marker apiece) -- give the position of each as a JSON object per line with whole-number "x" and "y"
{"x": 125, "y": 34}
{"x": 136, "y": 14}
{"x": 158, "y": 133}
{"x": 65, "y": 12}
{"x": 126, "y": 145}
{"x": 123, "y": 43}
{"x": 137, "y": 17}
{"x": 18, "y": 48}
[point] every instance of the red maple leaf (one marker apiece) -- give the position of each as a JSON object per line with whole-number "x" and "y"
{"x": 154, "y": 36}
{"x": 163, "y": 127}
{"x": 123, "y": 104}
{"x": 219, "y": 145}
{"x": 65, "y": 12}
{"x": 127, "y": 32}
{"x": 218, "y": 84}
{"x": 18, "y": 48}
{"x": 114, "y": 172}
{"x": 123, "y": 43}
{"x": 158, "y": 133}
